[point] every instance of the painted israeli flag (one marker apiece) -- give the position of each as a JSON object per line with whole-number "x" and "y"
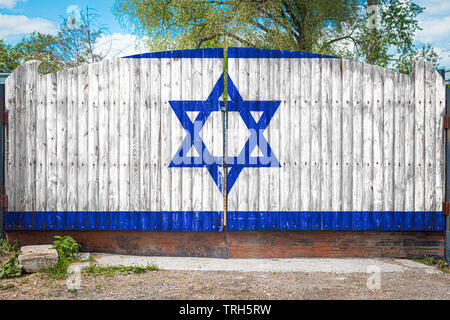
{"x": 312, "y": 142}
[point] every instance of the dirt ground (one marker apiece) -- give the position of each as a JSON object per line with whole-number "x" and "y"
{"x": 165, "y": 284}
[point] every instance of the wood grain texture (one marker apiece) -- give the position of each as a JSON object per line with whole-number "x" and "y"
{"x": 350, "y": 137}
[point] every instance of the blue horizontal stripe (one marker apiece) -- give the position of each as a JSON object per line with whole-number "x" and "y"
{"x": 270, "y": 53}
{"x": 237, "y": 220}
{"x": 335, "y": 220}
{"x": 115, "y": 220}
{"x": 189, "y": 53}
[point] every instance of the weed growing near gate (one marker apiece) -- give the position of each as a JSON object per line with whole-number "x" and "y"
{"x": 67, "y": 248}
{"x": 11, "y": 268}
{"x": 6, "y": 246}
{"x": 440, "y": 264}
{"x": 110, "y": 271}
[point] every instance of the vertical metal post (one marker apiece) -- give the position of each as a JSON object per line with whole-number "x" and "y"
{"x": 2, "y": 156}
{"x": 447, "y": 173}
{"x": 225, "y": 139}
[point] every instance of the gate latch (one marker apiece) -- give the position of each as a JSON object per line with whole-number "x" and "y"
{"x": 446, "y": 208}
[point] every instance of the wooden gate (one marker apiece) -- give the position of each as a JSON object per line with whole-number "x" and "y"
{"x": 297, "y": 142}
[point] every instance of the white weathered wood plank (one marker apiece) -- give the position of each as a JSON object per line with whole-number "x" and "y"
{"x": 124, "y": 136}
{"x": 31, "y": 102}
{"x": 113, "y": 134}
{"x": 347, "y": 134}
{"x": 103, "y": 137}
{"x": 61, "y": 141}
{"x": 315, "y": 142}
{"x": 326, "y": 136}
{"x": 134, "y": 125}
{"x": 357, "y": 96}
{"x": 144, "y": 135}
{"x": 72, "y": 141}
{"x": 336, "y": 175}
{"x": 430, "y": 138}
{"x": 419, "y": 133}
{"x": 388, "y": 144}
{"x": 399, "y": 142}
{"x": 409, "y": 145}
{"x": 51, "y": 143}
{"x": 367, "y": 148}
{"x": 305, "y": 125}
{"x": 439, "y": 158}
{"x": 378, "y": 141}
{"x": 11, "y": 107}
{"x": 155, "y": 134}
{"x": 83, "y": 101}
{"x": 93, "y": 158}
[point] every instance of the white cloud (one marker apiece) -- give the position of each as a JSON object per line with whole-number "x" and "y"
{"x": 120, "y": 45}
{"x": 435, "y": 7}
{"x": 12, "y": 25}
{"x": 434, "y": 29}
{"x": 444, "y": 57}
{"x": 9, "y": 4}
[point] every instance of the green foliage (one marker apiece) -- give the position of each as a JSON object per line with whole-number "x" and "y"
{"x": 440, "y": 264}
{"x": 6, "y": 246}
{"x": 338, "y": 28}
{"x": 36, "y": 46}
{"x": 11, "y": 268}
{"x": 8, "y": 57}
{"x": 110, "y": 271}
{"x": 426, "y": 53}
{"x": 282, "y": 24}
{"x": 67, "y": 248}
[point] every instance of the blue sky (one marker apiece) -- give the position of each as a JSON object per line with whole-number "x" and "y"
{"x": 20, "y": 17}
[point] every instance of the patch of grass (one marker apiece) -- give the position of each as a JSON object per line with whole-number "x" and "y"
{"x": 111, "y": 271}
{"x": 440, "y": 264}
{"x": 11, "y": 268}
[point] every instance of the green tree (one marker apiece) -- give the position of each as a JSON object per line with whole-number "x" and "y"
{"x": 8, "y": 57}
{"x": 283, "y": 24}
{"x": 36, "y": 46}
{"x": 39, "y": 46}
{"x": 341, "y": 27}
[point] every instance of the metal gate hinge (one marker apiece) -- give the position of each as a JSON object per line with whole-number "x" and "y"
{"x": 4, "y": 201}
{"x": 446, "y": 208}
{"x": 447, "y": 122}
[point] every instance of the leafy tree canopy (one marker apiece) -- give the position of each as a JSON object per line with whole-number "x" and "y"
{"x": 338, "y": 27}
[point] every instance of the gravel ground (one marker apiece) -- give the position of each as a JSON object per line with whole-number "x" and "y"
{"x": 414, "y": 282}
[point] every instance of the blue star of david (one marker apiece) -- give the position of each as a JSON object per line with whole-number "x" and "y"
{"x": 235, "y": 104}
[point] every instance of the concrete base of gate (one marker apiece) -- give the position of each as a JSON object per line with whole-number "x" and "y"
{"x": 250, "y": 244}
